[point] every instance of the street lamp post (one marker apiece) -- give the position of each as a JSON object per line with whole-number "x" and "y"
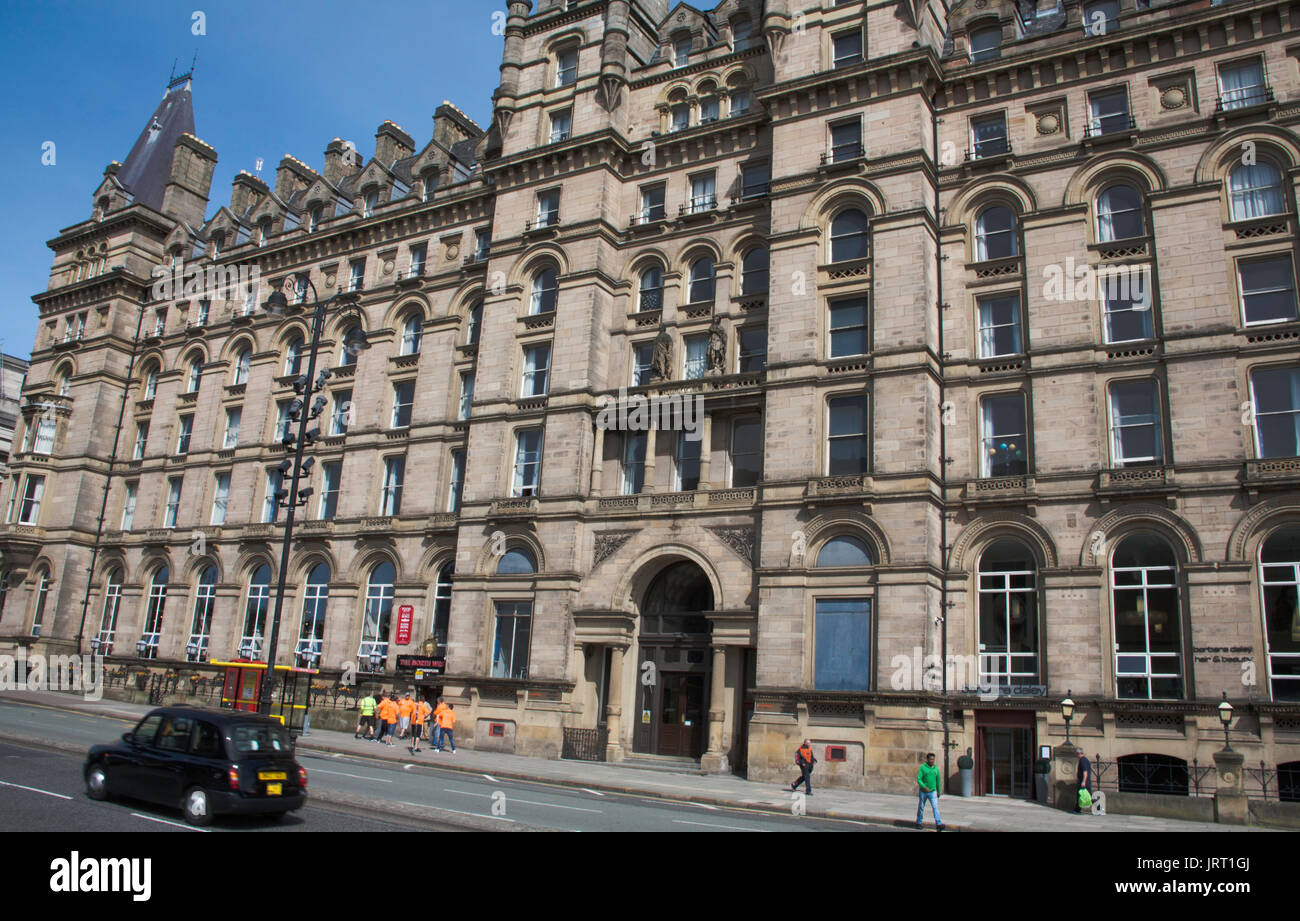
{"x": 1067, "y": 711}
{"x": 291, "y": 499}
{"x": 1225, "y": 717}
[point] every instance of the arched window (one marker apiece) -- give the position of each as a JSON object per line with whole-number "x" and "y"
{"x": 379, "y": 611}
{"x": 293, "y": 356}
{"x": 849, "y": 236}
{"x": 42, "y": 597}
{"x": 155, "y": 608}
{"x": 311, "y": 631}
{"x": 701, "y": 287}
{"x": 65, "y": 381}
{"x": 442, "y": 606}
{"x": 652, "y": 289}
{"x": 754, "y": 271}
{"x": 243, "y": 361}
{"x": 195, "y": 374}
{"x": 517, "y": 561}
{"x": 474, "y": 324}
{"x": 1256, "y": 191}
{"x": 348, "y": 351}
{"x": 412, "y": 333}
{"x": 205, "y": 599}
{"x": 1279, "y": 579}
{"x": 995, "y": 234}
{"x": 108, "y": 617}
{"x": 545, "y": 289}
{"x": 259, "y": 599}
{"x": 1119, "y": 213}
{"x": 264, "y": 232}
{"x": 844, "y": 550}
{"x": 1148, "y": 622}
{"x": 150, "y": 381}
{"x": 1008, "y": 615}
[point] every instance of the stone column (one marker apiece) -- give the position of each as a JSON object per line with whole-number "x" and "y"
{"x": 706, "y": 444}
{"x": 598, "y": 461}
{"x": 649, "y": 484}
{"x": 614, "y": 709}
{"x": 1230, "y": 804}
{"x": 715, "y": 759}
{"x": 1065, "y": 767}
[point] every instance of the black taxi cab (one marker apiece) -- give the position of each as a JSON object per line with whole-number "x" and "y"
{"x": 205, "y": 762}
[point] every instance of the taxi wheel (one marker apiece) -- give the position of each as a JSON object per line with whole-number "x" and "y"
{"x": 97, "y": 782}
{"x": 197, "y": 806}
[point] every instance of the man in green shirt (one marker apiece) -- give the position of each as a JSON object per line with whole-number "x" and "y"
{"x": 367, "y": 705}
{"x": 927, "y": 777}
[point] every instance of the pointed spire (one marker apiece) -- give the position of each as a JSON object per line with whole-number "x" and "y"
{"x": 147, "y": 167}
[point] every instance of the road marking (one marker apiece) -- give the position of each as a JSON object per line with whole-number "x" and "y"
{"x": 337, "y": 755}
{"x": 165, "y": 822}
{"x": 593, "y": 792}
{"x": 408, "y": 767}
{"x": 5, "y": 783}
{"x": 459, "y": 812}
{"x": 346, "y": 774}
{"x": 704, "y": 806}
{"x": 529, "y": 802}
{"x": 712, "y": 825}
{"x": 490, "y": 777}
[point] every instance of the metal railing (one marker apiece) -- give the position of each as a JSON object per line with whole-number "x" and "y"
{"x": 1243, "y": 99}
{"x": 1178, "y": 778}
{"x": 843, "y": 153}
{"x": 1118, "y": 123}
{"x": 584, "y": 744}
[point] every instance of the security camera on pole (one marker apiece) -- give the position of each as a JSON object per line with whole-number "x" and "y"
{"x": 296, "y": 468}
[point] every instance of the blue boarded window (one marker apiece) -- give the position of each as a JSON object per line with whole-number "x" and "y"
{"x": 517, "y": 561}
{"x": 843, "y": 630}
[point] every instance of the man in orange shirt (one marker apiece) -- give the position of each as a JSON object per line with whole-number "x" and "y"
{"x": 405, "y": 710}
{"x": 437, "y": 724}
{"x": 446, "y": 721}
{"x": 388, "y": 714}
{"x": 422, "y": 711}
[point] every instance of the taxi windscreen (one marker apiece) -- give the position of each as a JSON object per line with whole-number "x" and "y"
{"x": 260, "y": 738}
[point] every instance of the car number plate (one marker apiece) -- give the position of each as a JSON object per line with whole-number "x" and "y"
{"x": 272, "y": 775}
{"x": 273, "y": 789}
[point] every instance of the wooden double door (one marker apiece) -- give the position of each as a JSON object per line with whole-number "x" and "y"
{"x": 673, "y": 712}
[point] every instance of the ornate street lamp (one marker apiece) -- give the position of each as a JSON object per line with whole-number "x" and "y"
{"x": 290, "y": 499}
{"x": 192, "y": 650}
{"x": 141, "y": 647}
{"x": 1225, "y": 717}
{"x": 1067, "y": 711}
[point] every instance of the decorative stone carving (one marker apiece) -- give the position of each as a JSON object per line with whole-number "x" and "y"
{"x": 661, "y": 365}
{"x": 607, "y": 544}
{"x": 716, "y": 351}
{"x": 1048, "y": 123}
{"x": 1173, "y": 97}
{"x": 739, "y": 539}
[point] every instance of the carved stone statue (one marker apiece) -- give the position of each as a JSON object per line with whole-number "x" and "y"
{"x": 661, "y": 364}
{"x": 716, "y": 352}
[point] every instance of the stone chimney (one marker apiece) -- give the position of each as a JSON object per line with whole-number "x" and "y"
{"x": 185, "y": 197}
{"x": 291, "y": 176}
{"x": 392, "y": 143}
{"x": 341, "y": 159}
{"x": 245, "y": 192}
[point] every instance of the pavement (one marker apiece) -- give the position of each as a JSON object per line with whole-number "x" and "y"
{"x": 959, "y": 814}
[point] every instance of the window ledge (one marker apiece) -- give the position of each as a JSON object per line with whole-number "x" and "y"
{"x": 1015, "y": 490}
{"x": 1139, "y": 480}
{"x": 1130, "y": 248}
{"x": 1280, "y": 331}
{"x": 1271, "y": 472}
{"x": 1006, "y": 267}
{"x": 1256, "y": 227}
{"x": 838, "y": 488}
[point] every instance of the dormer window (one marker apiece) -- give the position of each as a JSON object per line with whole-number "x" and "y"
{"x": 371, "y": 202}
{"x": 741, "y": 32}
{"x": 263, "y": 232}
{"x": 314, "y": 218}
{"x": 986, "y": 44}
{"x": 681, "y": 50}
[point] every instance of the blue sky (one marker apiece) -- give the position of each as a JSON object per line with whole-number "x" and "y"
{"x": 272, "y": 78}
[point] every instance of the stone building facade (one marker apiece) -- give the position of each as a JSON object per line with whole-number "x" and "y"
{"x": 990, "y": 311}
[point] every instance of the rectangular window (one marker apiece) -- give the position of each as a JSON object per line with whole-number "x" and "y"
{"x": 846, "y": 431}
{"x": 703, "y": 193}
{"x": 341, "y": 414}
{"x": 999, "y": 316}
{"x": 1242, "y": 84}
{"x": 548, "y": 208}
{"x": 271, "y": 501}
{"x": 566, "y": 67}
{"x": 843, "y": 644}
{"x": 1108, "y": 112}
{"x": 846, "y": 141}
{"x": 13, "y": 500}
{"x": 739, "y": 103}
{"x": 652, "y": 203}
{"x": 848, "y": 327}
{"x": 1267, "y": 290}
{"x": 1275, "y": 396}
{"x": 755, "y": 180}
{"x": 33, "y": 491}
{"x": 128, "y": 506}
{"x": 681, "y": 117}
{"x": 746, "y": 451}
{"x": 989, "y": 135}
{"x": 482, "y": 244}
{"x": 687, "y": 470}
{"x": 45, "y": 429}
{"x": 403, "y": 404}
{"x": 466, "y": 394}
{"x": 847, "y": 48}
{"x": 696, "y": 358}
{"x": 1004, "y": 437}
{"x": 233, "y": 417}
{"x": 221, "y": 499}
{"x": 708, "y": 109}
{"x": 141, "y": 438}
{"x": 634, "y": 447}
{"x": 394, "y": 474}
{"x": 537, "y": 367}
{"x": 510, "y": 648}
{"x": 331, "y": 477}
{"x": 682, "y": 51}
{"x": 418, "y": 253}
{"x": 173, "y": 502}
{"x": 1127, "y": 319}
{"x": 371, "y": 202}
{"x": 1135, "y": 424}
{"x": 561, "y": 125}
{"x": 642, "y": 360}
{"x": 159, "y": 323}
{"x": 185, "y": 431}
{"x": 751, "y": 346}
{"x": 281, "y": 420}
{"x": 528, "y": 462}
{"x": 356, "y": 274}
{"x": 457, "y": 483}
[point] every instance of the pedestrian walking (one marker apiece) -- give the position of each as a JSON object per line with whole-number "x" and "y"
{"x": 367, "y": 705}
{"x": 805, "y": 760}
{"x": 437, "y": 724}
{"x": 405, "y": 710}
{"x": 1082, "y": 779}
{"x": 928, "y": 780}
{"x": 388, "y": 716}
{"x": 422, "y": 711}
{"x": 447, "y": 721}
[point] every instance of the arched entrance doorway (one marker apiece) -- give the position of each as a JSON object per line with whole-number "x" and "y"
{"x": 674, "y": 667}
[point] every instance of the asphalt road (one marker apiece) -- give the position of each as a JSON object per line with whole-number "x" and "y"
{"x": 25, "y": 768}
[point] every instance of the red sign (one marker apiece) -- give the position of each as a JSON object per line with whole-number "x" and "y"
{"x": 405, "y": 615}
